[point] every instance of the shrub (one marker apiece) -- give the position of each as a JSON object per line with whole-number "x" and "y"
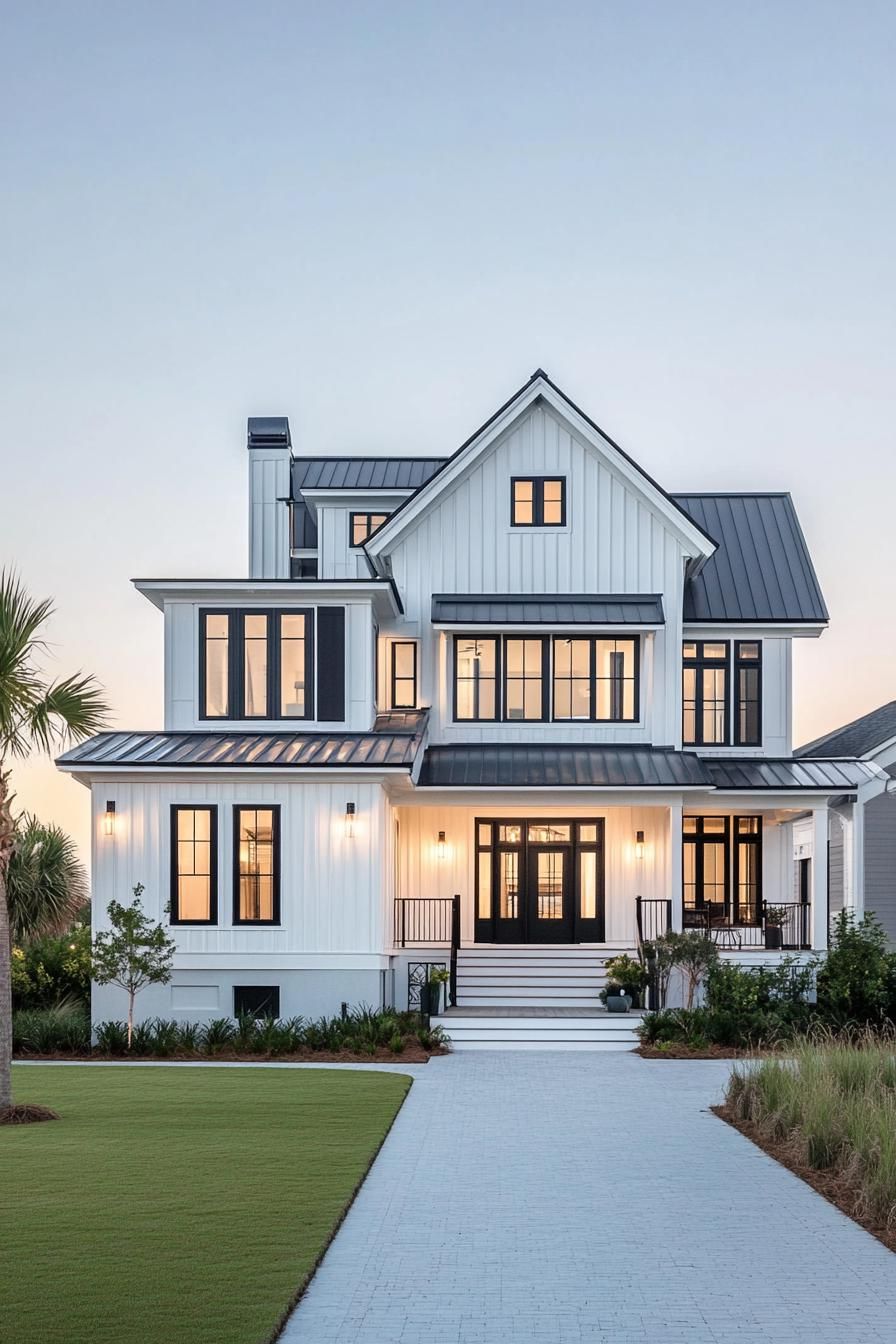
{"x": 217, "y": 1034}
{"x": 51, "y": 1031}
{"x": 628, "y": 973}
{"x": 857, "y": 979}
{"x": 53, "y": 970}
{"x": 112, "y": 1038}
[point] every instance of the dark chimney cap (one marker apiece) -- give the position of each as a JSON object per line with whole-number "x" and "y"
{"x": 269, "y": 431}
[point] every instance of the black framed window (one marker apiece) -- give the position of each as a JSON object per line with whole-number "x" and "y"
{"x": 704, "y": 692}
{"x": 256, "y": 864}
{"x": 596, "y": 679}
{"x": 403, "y": 674}
{"x": 475, "y": 678}
{"x": 256, "y": 664}
{"x": 722, "y": 869}
{"x": 256, "y": 1000}
{"x": 748, "y": 692}
{"x": 538, "y": 501}
{"x": 194, "y": 864}
{"x": 525, "y": 679}
{"x": 215, "y": 656}
{"x": 363, "y": 525}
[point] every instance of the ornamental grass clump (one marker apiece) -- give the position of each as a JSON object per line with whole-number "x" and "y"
{"x": 830, "y": 1107}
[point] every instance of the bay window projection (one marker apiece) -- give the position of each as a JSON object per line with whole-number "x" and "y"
{"x": 256, "y": 832}
{"x": 194, "y": 865}
{"x": 475, "y": 678}
{"x": 704, "y": 693}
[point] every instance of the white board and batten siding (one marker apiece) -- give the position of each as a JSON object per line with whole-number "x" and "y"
{"x": 333, "y": 888}
{"x": 614, "y": 541}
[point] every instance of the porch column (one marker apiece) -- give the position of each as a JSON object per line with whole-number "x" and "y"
{"x": 857, "y": 875}
{"x": 676, "y": 890}
{"x": 819, "y": 878}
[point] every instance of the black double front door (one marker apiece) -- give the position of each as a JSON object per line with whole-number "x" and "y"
{"x": 539, "y": 881}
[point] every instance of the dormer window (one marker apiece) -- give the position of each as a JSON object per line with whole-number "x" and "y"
{"x": 538, "y": 501}
{"x": 363, "y": 525}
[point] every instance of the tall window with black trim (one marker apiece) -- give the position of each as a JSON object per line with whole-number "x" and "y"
{"x": 256, "y": 865}
{"x": 475, "y": 678}
{"x": 403, "y": 674}
{"x": 194, "y": 864}
{"x": 538, "y": 501}
{"x": 748, "y": 692}
{"x": 722, "y": 870}
{"x": 704, "y": 692}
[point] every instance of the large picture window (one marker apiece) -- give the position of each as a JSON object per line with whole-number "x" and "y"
{"x": 537, "y": 679}
{"x": 704, "y": 692}
{"x": 256, "y": 664}
{"x": 194, "y": 865}
{"x": 256, "y": 865}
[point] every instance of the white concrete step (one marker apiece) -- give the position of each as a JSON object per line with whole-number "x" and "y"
{"x": 531, "y": 976}
{"x": 523, "y": 1030}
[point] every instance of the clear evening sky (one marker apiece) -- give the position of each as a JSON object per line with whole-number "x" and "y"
{"x": 378, "y": 219}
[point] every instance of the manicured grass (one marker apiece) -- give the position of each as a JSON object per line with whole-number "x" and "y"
{"x": 177, "y": 1204}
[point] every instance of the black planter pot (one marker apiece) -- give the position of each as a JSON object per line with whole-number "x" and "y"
{"x": 773, "y": 937}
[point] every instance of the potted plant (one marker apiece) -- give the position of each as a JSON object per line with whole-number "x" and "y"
{"x": 629, "y": 975}
{"x": 438, "y": 977}
{"x": 775, "y": 918}
{"x": 615, "y": 998}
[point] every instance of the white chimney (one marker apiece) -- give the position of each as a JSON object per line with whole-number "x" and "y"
{"x": 270, "y": 489}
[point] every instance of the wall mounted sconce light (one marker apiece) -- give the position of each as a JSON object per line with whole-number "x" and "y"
{"x": 349, "y": 821}
{"x": 109, "y": 818}
{"x": 441, "y": 847}
{"x": 639, "y": 844}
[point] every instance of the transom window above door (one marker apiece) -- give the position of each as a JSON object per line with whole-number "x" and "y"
{"x": 538, "y": 501}
{"x": 544, "y": 678}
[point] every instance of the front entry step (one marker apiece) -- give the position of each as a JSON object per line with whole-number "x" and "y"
{"x": 571, "y": 977}
{"x": 534, "y": 1029}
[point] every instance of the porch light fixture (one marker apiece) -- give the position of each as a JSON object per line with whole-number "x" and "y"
{"x": 109, "y": 818}
{"x": 639, "y": 844}
{"x": 349, "y": 821}
{"x": 440, "y": 845}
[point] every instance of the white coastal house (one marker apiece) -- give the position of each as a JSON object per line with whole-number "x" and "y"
{"x": 505, "y": 711}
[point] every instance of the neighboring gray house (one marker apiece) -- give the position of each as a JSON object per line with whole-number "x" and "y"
{"x": 862, "y": 825}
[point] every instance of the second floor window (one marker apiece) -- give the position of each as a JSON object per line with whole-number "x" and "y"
{"x": 538, "y": 501}
{"x": 539, "y": 679}
{"x": 362, "y": 525}
{"x": 255, "y": 664}
{"x": 403, "y": 674}
{"x": 718, "y": 706}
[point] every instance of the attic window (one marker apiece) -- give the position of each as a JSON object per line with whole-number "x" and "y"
{"x": 538, "y": 501}
{"x": 363, "y": 525}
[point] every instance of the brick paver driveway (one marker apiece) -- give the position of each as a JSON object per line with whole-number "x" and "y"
{"x": 573, "y": 1197}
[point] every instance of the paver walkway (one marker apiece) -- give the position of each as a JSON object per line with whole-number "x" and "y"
{"x": 588, "y": 1197}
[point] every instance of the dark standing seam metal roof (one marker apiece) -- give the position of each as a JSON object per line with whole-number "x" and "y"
{"x": 276, "y": 750}
{"x": 756, "y": 772}
{"x": 506, "y": 765}
{"x": 547, "y": 609}
{"x": 858, "y": 738}
{"x": 762, "y": 570}
{"x": 351, "y": 473}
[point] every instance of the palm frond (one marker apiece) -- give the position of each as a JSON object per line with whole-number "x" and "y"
{"x": 46, "y": 885}
{"x": 69, "y": 710}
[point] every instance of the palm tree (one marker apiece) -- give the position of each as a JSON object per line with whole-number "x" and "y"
{"x": 35, "y": 715}
{"x": 46, "y": 884}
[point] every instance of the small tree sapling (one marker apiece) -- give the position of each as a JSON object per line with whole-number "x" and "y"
{"x": 133, "y": 953}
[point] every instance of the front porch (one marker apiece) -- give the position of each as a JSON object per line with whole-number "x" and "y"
{"x": 525, "y": 906}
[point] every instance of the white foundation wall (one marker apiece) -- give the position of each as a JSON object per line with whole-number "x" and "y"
{"x": 420, "y": 871}
{"x": 335, "y": 891}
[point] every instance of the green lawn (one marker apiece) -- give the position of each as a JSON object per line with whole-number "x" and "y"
{"x": 177, "y": 1204}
